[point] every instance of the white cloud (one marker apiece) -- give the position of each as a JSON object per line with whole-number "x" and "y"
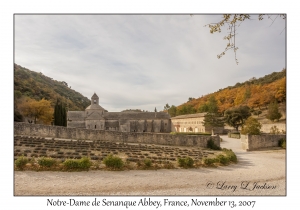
{"x": 145, "y": 61}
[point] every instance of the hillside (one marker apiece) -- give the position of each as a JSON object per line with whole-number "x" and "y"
{"x": 37, "y": 86}
{"x": 255, "y": 93}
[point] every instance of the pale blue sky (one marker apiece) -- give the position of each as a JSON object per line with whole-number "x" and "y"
{"x": 145, "y": 61}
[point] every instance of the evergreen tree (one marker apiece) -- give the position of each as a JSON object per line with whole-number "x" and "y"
{"x": 213, "y": 117}
{"x": 60, "y": 115}
{"x": 273, "y": 112}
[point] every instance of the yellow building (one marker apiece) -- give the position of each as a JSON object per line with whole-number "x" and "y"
{"x": 192, "y": 123}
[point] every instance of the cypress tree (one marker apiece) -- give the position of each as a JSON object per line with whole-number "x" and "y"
{"x": 60, "y": 116}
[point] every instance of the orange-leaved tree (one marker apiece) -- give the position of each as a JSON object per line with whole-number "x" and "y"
{"x": 40, "y": 111}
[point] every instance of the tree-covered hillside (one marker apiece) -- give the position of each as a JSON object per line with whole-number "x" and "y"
{"x": 255, "y": 93}
{"x": 37, "y": 86}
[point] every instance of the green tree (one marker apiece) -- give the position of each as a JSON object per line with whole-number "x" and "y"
{"x": 186, "y": 109}
{"x": 190, "y": 99}
{"x": 167, "y": 107}
{"x": 235, "y": 117}
{"x": 60, "y": 114}
{"x": 213, "y": 120}
{"x": 251, "y": 126}
{"x": 213, "y": 117}
{"x": 212, "y": 105}
{"x": 172, "y": 111}
{"x": 203, "y": 108}
{"x": 273, "y": 112}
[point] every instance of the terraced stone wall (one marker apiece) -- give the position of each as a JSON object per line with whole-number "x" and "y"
{"x": 112, "y": 136}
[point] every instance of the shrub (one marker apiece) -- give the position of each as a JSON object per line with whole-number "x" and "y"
{"x": 168, "y": 165}
{"x": 282, "y": 143}
{"x": 252, "y": 126}
{"x": 21, "y": 162}
{"x": 46, "y": 162}
{"x": 211, "y": 145}
{"x": 209, "y": 161}
{"x": 187, "y": 162}
{"x": 82, "y": 164}
{"x": 71, "y": 164}
{"x": 230, "y": 154}
{"x": 113, "y": 162}
{"x": 147, "y": 163}
{"x": 223, "y": 160}
{"x": 274, "y": 130}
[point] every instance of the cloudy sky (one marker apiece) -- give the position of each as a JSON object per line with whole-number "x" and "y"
{"x": 146, "y": 61}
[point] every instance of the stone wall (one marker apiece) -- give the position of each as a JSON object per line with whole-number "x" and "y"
{"x": 254, "y": 142}
{"x": 234, "y": 135}
{"x": 113, "y": 136}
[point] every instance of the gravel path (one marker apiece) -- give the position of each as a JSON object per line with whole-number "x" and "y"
{"x": 256, "y": 173}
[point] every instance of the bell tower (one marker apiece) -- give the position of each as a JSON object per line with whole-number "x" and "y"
{"x": 95, "y": 99}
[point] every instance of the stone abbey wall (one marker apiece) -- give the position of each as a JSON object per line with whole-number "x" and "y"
{"x": 113, "y": 136}
{"x": 254, "y": 142}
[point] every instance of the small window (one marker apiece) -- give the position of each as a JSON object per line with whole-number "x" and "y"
{"x": 95, "y": 126}
{"x": 95, "y": 101}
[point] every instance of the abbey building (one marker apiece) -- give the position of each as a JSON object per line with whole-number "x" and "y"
{"x": 96, "y": 117}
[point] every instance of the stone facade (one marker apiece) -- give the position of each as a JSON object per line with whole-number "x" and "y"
{"x": 112, "y": 136}
{"x": 97, "y": 118}
{"x": 192, "y": 123}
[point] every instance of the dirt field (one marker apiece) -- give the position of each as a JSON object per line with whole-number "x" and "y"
{"x": 256, "y": 173}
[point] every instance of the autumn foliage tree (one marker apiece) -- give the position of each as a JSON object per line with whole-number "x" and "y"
{"x": 41, "y": 111}
{"x": 254, "y": 93}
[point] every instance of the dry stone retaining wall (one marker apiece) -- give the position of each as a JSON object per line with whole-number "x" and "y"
{"x": 254, "y": 142}
{"x": 112, "y": 136}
